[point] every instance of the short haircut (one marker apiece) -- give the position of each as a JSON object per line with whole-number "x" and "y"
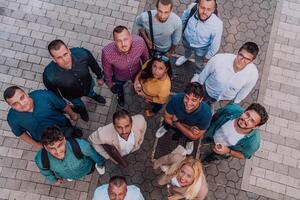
{"x": 117, "y": 181}
{"x": 261, "y": 111}
{"x": 51, "y": 135}
{"x": 119, "y": 29}
{"x": 122, "y": 113}
{"x": 164, "y": 2}
{"x": 199, "y": 1}
{"x": 195, "y": 88}
{"x": 250, "y": 47}
{"x": 10, "y": 92}
{"x": 55, "y": 45}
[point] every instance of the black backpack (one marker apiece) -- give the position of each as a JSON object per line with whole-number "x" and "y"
{"x": 193, "y": 11}
{"x": 75, "y": 147}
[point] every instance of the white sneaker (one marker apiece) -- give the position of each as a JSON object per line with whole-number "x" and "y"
{"x": 160, "y": 132}
{"x": 189, "y": 147}
{"x": 180, "y": 60}
{"x": 68, "y": 179}
{"x": 100, "y": 169}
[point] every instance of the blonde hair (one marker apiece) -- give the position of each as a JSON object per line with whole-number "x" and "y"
{"x": 195, "y": 187}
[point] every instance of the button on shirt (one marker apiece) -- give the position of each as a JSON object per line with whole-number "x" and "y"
{"x": 203, "y": 34}
{"x": 126, "y": 146}
{"x": 227, "y": 135}
{"x": 133, "y": 193}
{"x": 75, "y": 82}
{"x": 70, "y": 167}
{"x": 223, "y": 83}
{"x": 122, "y": 66}
{"x": 46, "y": 112}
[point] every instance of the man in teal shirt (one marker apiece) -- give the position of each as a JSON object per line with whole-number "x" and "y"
{"x": 62, "y": 157}
{"x": 234, "y": 132}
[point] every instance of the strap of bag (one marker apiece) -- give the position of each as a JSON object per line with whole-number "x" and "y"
{"x": 192, "y": 12}
{"x": 45, "y": 159}
{"x": 151, "y": 26}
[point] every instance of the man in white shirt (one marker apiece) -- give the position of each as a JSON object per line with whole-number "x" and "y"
{"x": 228, "y": 76}
{"x": 126, "y": 134}
{"x": 117, "y": 189}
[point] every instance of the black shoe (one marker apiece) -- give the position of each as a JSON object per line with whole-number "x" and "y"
{"x": 100, "y": 99}
{"x": 121, "y": 101}
{"x": 82, "y": 112}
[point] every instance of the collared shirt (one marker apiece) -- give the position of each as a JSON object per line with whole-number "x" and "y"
{"x": 200, "y": 117}
{"x": 126, "y": 146}
{"x": 133, "y": 193}
{"x": 75, "y": 82}
{"x": 203, "y": 34}
{"x": 227, "y": 135}
{"x": 122, "y": 66}
{"x": 249, "y": 144}
{"x": 165, "y": 34}
{"x": 223, "y": 83}
{"x": 70, "y": 167}
{"x": 47, "y": 112}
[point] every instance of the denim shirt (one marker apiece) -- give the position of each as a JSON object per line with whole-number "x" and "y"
{"x": 203, "y": 34}
{"x": 247, "y": 145}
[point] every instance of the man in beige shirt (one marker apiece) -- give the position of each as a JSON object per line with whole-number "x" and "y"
{"x": 126, "y": 134}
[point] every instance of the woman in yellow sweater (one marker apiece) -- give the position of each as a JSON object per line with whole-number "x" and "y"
{"x": 153, "y": 83}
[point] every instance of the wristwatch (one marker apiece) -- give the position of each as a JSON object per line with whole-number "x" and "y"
{"x": 174, "y": 122}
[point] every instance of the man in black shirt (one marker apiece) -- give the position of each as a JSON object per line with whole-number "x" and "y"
{"x": 69, "y": 77}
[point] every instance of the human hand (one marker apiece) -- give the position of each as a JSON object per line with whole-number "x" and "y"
{"x": 205, "y": 60}
{"x": 174, "y": 118}
{"x": 100, "y": 82}
{"x": 59, "y": 182}
{"x": 73, "y": 116}
{"x": 221, "y": 149}
{"x": 195, "y": 130}
{"x": 150, "y": 44}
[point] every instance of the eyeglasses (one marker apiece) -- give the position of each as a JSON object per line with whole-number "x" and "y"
{"x": 161, "y": 57}
{"x": 245, "y": 58}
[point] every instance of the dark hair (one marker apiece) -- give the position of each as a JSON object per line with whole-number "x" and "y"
{"x": 261, "y": 111}
{"x": 250, "y": 47}
{"x": 52, "y": 134}
{"x": 55, "y": 45}
{"x": 209, "y": 0}
{"x": 10, "y": 92}
{"x": 119, "y": 29}
{"x": 117, "y": 181}
{"x": 147, "y": 71}
{"x": 122, "y": 113}
{"x": 164, "y": 2}
{"x": 195, "y": 88}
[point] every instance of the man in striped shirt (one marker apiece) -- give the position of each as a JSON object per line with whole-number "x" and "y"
{"x": 122, "y": 59}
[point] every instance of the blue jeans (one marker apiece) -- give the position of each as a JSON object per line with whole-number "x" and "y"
{"x": 199, "y": 53}
{"x": 77, "y": 102}
{"x": 118, "y": 87}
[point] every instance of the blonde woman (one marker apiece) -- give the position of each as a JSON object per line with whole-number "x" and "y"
{"x": 184, "y": 178}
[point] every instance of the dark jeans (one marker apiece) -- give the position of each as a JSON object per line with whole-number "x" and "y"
{"x": 177, "y": 135}
{"x": 118, "y": 87}
{"x": 156, "y": 107}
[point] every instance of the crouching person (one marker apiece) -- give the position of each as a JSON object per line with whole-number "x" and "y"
{"x": 122, "y": 137}
{"x": 62, "y": 159}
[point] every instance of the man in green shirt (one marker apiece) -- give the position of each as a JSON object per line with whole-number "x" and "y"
{"x": 62, "y": 159}
{"x": 233, "y": 131}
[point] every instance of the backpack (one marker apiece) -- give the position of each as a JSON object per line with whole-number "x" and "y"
{"x": 193, "y": 11}
{"x": 75, "y": 147}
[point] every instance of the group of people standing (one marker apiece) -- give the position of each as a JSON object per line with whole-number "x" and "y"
{"x": 39, "y": 117}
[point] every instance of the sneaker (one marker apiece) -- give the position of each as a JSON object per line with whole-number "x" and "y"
{"x": 82, "y": 112}
{"x": 189, "y": 147}
{"x": 100, "y": 99}
{"x": 121, "y": 101}
{"x": 180, "y": 61}
{"x": 160, "y": 132}
{"x": 68, "y": 179}
{"x": 100, "y": 168}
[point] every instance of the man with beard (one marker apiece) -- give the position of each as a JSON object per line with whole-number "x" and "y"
{"x": 234, "y": 132}
{"x": 122, "y": 60}
{"x": 228, "y": 76}
{"x": 63, "y": 159}
{"x": 167, "y": 28}
{"x": 202, "y": 32}
{"x": 187, "y": 116}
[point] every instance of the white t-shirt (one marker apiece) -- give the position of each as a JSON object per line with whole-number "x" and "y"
{"x": 126, "y": 146}
{"x": 227, "y": 135}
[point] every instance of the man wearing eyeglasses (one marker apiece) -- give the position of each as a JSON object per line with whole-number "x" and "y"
{"x": 228, "y": 76}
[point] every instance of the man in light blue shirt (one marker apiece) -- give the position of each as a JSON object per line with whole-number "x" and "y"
{"x": 167, "y": 27}
{"x": 117, "y": 189}
{"x": 202, "y": 33}
{"x": 228, "y": 76}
